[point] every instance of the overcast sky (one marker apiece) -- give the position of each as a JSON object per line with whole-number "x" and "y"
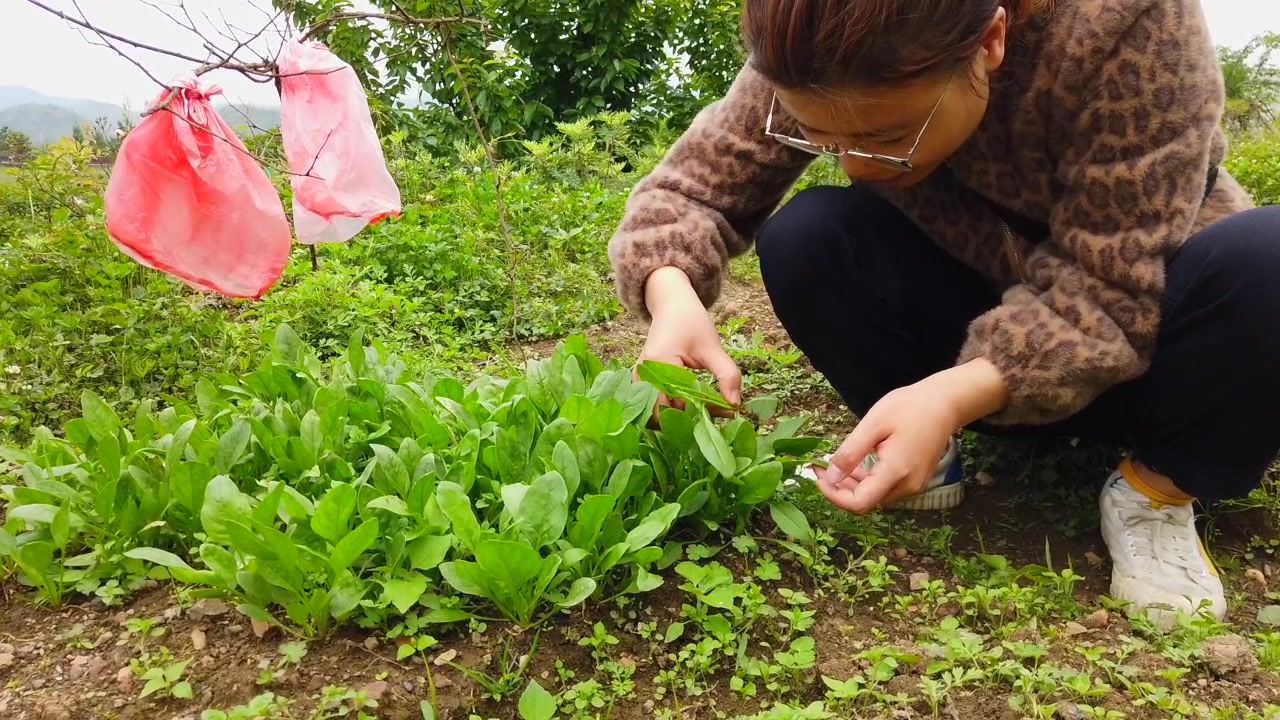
{"x": 40, "y": 51}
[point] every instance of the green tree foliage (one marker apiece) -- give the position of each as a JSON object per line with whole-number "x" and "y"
{"x": 1252, "y": 79}
{"x": 15, "y": 146}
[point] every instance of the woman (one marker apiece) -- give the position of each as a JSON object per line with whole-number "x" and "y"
{"x": 1038, "y": 237}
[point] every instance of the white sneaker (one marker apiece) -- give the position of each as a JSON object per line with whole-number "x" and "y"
{"x": 944, "y": 491}
{"x": 1159, "y": 565}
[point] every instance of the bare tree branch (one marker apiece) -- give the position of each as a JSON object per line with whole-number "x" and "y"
{"x": 113, "y": 36}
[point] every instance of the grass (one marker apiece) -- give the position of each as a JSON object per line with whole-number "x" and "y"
{"x": 998, "y": 609}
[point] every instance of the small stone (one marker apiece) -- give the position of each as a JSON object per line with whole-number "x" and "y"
{"x": 260, "y": 628}
{"x": 1255, "y": 575}
{"x": 106, "y": 637}
{"x": 1201, "y": 682}
{"x": 79, "y": 666}
{"x": 445, "y": 657}
{"x": 96, "y": 667}
{"x": 407, "y": 685}
{"x": 1067, "y": 711}
{"x": 1229, "y": 656}
{"x": 29, "y": 650}
{"x": 6, "y": 659}
{"x": 1097, "y": 619}
{"x": 198, "y": 639}
{"x": 1093, "y": 559}
{"x": 443, "y": 682}
{"x": 900, "y": 553}
{"x": 371, "y": 643}
{"x": 234, "y": 629}
{"x": 6, "y": 648}
{"x": 376, "y": 689}
{"x": 124, "y": 679}
{"x": 1072, "y": 628}
{"x": 171, "y": 613}
{"x": 919, "y": 580}
{"x": 119, "y": 703}
{"x": 985, "y": 478}
{"x": 208, "y": 607}
{"x": 39, "y": 683}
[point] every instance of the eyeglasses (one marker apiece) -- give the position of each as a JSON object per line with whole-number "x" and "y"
{"x": 896, "y": 163}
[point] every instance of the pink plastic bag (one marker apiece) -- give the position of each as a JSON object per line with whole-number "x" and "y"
{"x": 185, "y": 198}
{"x": 341, "y": 183}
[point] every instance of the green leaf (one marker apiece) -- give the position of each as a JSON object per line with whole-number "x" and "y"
{"x": 404, "y": 593}
{"x": 351, "y": 547}
{"x": 511, "y": 564}
{"x": 681, "y": 383}
{"x": 428, "y": 551}
{"x": 101, "y": 419}
{"x": 578, "y": 592}
{"x": 465, "y": 577}
{"x": 653, "y": 527}
{"x": 391, "y": 504}
{"x": 333, "y": 512}
{"x": 536, "y": 703}
{"x": 223, "y": 501}
{"x": 389, "y": 473}
{"x": 288, "y": 345}
{"x": 163, "y": 558}
{"x": 674, "y": 632}
{"x": 791, "y": 521}
{"x": 1269, "y": 615}
{"x": 544, "y": 510}
{"x": 764, "y": 408}
{"x": 456, "y": 506}
{"x": 713, "y": 446}
{"x": 760, "y": 483}
{"x": 566, "y": 463}
{"x": 231, "y": 446}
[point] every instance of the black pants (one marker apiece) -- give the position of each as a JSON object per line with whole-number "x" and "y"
{"x": 876, "y": 305}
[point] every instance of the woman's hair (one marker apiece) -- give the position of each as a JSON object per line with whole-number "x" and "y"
{"x": 839, "y": 44}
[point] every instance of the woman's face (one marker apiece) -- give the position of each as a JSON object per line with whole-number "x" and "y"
{"x": 888, "y": 121}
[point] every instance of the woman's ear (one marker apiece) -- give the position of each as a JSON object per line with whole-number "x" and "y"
{"x": 994, "y": 41}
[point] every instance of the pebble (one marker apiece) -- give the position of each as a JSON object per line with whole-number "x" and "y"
{"x": 919, "y": 580}
{"x": 119, "y": 703}
{"x": 376, "y": 689}
{"x": 1093, "y": 559}
{"x": 79, "y": 666}
{"x": 208, "y": 607}
{"x": 445, "y": 657}
{"x": 6, "y": 659}
{"x": 407, "y": 685}
{"x": 235, "y": 629}
{"x": 1072, "y": 628}
{"x": 1067, "y": 711}
{"x": 1097, "y": 619}
{"x": 171, "y": 613}
{"x": 198, "y": 639}
{"x": 7, "y": 649}
{"x": 124, "y": 678}
{"x": 1229, "y": 656}
{"x": 1257, "y": 577}
{"x": 900, "y": 553}
{"x": 371, "y": 643}
{"x": 985, "y": 479}
{"x": 38, "y": 683}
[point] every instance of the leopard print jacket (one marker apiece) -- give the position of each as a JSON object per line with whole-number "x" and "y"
{"x": 1105, "y": 127}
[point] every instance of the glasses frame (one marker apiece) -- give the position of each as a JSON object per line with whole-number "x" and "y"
{"x": 903, "y": 164}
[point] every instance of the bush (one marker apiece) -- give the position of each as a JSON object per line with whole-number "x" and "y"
{"x": 1254, "y": 161}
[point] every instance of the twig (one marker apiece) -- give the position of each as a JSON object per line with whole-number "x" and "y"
{"x": 113, "y": 36}
{"x": 497, "y": 187}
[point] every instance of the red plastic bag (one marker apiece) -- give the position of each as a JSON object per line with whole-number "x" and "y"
{"x": 341, "y": 183}
{"x": 186, "y": 199}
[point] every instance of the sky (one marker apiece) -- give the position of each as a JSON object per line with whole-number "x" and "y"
{"x": 40, "y": 51}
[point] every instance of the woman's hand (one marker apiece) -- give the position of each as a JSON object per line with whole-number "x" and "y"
{"x": 909, "y": 430}
{"x": 683, "y": 334}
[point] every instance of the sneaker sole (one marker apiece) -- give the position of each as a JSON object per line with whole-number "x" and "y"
{"x": 943, "y": 497}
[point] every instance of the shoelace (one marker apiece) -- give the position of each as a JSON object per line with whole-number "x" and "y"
{"x": 1169, "y": 528}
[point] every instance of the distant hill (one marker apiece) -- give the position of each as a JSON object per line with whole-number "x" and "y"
{"x": 46, "y": 119}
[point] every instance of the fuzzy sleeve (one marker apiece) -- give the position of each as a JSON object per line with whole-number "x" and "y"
{"x": 708, "y": 196}
{"x": 1132, "y": 178}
